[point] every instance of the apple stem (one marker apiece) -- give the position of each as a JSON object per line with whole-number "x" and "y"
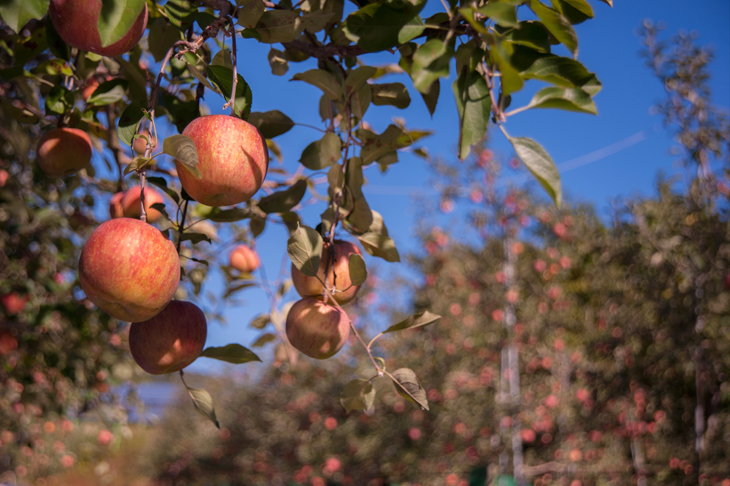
{"x": 235, "y": 69}
{"x": 181, "y": 226}
{"x": 357, "y": 335}
{"x": 143, "y": 184}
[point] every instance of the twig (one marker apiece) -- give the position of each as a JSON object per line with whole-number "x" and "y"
{"x": 143, "y": 183}
{"x": 181, "y": 226}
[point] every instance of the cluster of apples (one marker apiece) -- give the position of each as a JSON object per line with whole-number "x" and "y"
{"x": 131, "y": 271}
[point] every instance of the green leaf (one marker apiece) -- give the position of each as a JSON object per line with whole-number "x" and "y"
{"x": 230, "y": 215}
{"x": 279, "y": 26}
{"x": 316, "y": 21}
{"x": 184, "y": 151}
{"x": 257, "y": 225}
{"x": 109, "y": 92}
{"x": 223, "y": 58}
{"x": 195, "y": 238}
{"x": 358, "y": 271}
{"x": 136, "y": 164}
{"x": 162, "y": 184}
{"x": 377, "y": 146}
{"x": 359, "y": 77}
{"x": 231, "y": 353}
{"x": 324, "y": 81}
{"x": 305, "y": 250}
{"x": 17, "y": 13}
{"x": 250, "y": 13}
{"x": 59, "y": 100}
{"x": 360, "y": 101}
{"x": 336, "y": 177}
{"x": 576, "y": 11}
{"x": 278, "y": 62}
{"x": 539, "y": 163}
{"x": 116, "y": 19}
{"x": 530, "y": 34}
{"x": 377, "y": 242}
{"x": 358, "y": 394}
{"x": 223, "y": 78}
{"x": 430, "y": 62}
{"x": 181, "y": 13}
{"x": 129, "y": 121}
{"x": 511, "y": 81}
{"x": 203, "y": 403}
{"x": 322, "y": 153}
{"x": 407, "y": 385}
{"x": 261, "y": 321}
{"x": 282, "y": 201}
{"x": 394, "y": 94}
{"x": 569, "y": 99}
{"x": 263, "y": 339}
{"x": 379, "y": 26}
{"x": 474, "y": 107}
{"x": 418, "y": 319}
{"x": 502, "y": 13}
{"x": 270, "y": 123}
{"x": 563, "y": 71}
{"x": 161, "y": 37}
{"x": 58, "y": 46}
{"x": 201, "y": 77}
{"x": 608, "y": 2}
{"x": 557, "y": 25}
{"x": 431, "y": 97}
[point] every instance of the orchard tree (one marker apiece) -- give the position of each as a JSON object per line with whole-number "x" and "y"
{"x": 80, "y": 85}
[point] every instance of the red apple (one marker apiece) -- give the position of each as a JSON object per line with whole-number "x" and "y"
{"x": 14, "y": 303}
{"x": 140, "y": 144}
{"x": 89, "y": 87}
{"x": 129, "y": 269}
{"x": 77, "y": 23}
{"x": 232, "y": 157}
{"x": 317, "y": 329}
{"x": 311, "y": 287}
{"x": 171, "y": 340}
{"x": 116, "y": 210}
{"x": 244, "y": 259}
{"x": 131, "y": 205}
{"x": 64, "y": 151}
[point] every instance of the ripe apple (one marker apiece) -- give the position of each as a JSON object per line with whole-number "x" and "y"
{"x": 232, "y": 157}
{"x": 129, "y": 269}
{"x": 64, "y": 151}
{"x": 244, "y": 259}
{"x": 131, "y": 205}
{"x": 76, "y": 22}
{"x": 171, "y": 340}
{"x": 140, "y": 144}
{"x": 311, "y": 287}
{"x": 14, "y": 303}
{"x": 116, "y": 210}
{"x": 317, "y": 329}
{"x": 89, "y": 87}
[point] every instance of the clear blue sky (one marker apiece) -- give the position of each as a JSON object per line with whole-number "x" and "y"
{"x": 631, "y": 143}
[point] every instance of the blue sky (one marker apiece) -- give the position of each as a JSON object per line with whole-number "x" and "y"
{"x": 617, "y": 153}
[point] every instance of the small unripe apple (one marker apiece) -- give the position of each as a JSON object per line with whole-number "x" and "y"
{"x": 311, "y": 287}
{"x": 77, "y": 23}
{"x": 129, "y": 269}
{"x": 132, "y": 207}
{"x": 317, "y": 329}
{"x": 232, "y": 158}
{"x": 171, "y": 340}
{"x": 140, "y": 144}
{"x": 64, "y": 151}
{"x": 14, "y": 303}
{"x": 244, "y": 259}
{"x": 116, "y": 210}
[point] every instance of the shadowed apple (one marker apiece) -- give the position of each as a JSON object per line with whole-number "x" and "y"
{"x": 317, "y": 329}
{"x": 244, "y": 259}
{"x": 116, "y": 210}
{"x": 312, "y": 287}
{"x": 171, "y": 340}
{"x": 129, "y": 269}
{"x": 232, "y": 158}
{"x": 132, "y": 207}
{"x": 77, "y": 23}
{"x": 64, "y": 151}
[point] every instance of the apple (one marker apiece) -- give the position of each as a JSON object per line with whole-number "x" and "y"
{"x": 77, "y": 23}
{"x": 129, "y": 269}
{"x": 311, "y": 287}
{"x": 232, "y": 158}
{"x": 64, "y": 151}
{"x": 116, "y": 209}
{"x": 140, "y": 144}
{"x": 317, "y": 329}
{"x": 171, "y": 340}
{"x": 14, "y": 303}
{"x": 244, "y": 259}
{"x": 89, "y": 87}
{"x": 132, "y": 207}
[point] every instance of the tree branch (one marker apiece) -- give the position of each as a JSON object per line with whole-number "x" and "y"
{"x": 324, "y": 52}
